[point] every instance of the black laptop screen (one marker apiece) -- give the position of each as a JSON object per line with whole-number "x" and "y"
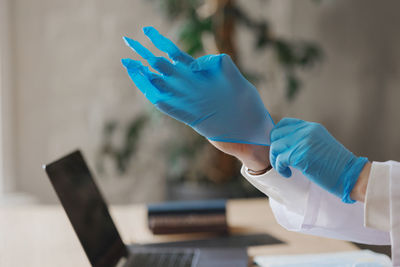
{"x": 86, "y": 209}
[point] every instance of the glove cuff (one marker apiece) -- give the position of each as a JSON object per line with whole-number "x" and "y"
{"x": 350, "y": 177}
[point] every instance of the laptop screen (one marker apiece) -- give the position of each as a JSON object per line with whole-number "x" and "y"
{"x": 86, "y": 209}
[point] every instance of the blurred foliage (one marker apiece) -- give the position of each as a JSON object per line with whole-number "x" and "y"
{"x": 290, "y": 55}
{"x": 121, "y": 154}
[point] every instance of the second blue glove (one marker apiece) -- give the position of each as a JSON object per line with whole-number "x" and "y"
{"x": 310, "y": 148}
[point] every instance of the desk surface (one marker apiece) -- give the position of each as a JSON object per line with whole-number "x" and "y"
{"x": 42, "y": 235}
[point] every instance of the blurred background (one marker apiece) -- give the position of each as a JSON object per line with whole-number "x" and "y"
{"x": 63, "y": 87}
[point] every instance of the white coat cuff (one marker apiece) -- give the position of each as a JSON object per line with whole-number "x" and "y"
{"x": 290, "y": 192}
{"x": 377, "y": 197}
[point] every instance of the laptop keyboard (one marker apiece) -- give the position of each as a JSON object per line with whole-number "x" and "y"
{"x": 163, "y": 258}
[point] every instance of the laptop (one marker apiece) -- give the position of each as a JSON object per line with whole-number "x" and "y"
{"x": 99, "y": 237}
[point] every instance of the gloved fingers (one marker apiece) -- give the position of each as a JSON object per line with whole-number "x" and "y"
{"x": 141, "y": 77}
{"x": 285, "y": 131}
{"x": 272, "y": 160}
{"x": 166, "y": 85}
{"x": 155, "y": 79}
{"x": 279, "y": 147}
{"x": 282, "y": 145}
{"x": 130, "y": 64}
{"x": 288, "y": 121}
{"x": 139, "y": 48}
{"x": 160, "y": 84}
{"x": 160, "y": 64}
{"x": 206, "y": 63}
{"x": 282, "y": 164}
{"x": 211, "y": 62}
{"x": 167, "y": 46}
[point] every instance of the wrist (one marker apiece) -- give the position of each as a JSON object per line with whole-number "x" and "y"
{"x": 257, "y": 159}
{"x": 360, "y": 187}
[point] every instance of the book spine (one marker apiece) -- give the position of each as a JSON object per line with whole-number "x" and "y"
{"x": 190, "y": 223}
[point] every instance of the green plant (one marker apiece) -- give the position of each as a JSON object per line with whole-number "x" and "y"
{"x": 120, "y": 154}
{"x": 291, "y": 55}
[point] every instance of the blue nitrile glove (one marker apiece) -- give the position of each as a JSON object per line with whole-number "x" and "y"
{"x": 310, "y": 148}
{"x": 209, "y": 93}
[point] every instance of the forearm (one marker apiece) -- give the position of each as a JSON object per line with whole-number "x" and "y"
{"x": 254, "y": 157}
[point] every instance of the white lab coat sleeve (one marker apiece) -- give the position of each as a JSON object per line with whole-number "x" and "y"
{"x": 382, "y": 202}
{"x": 302, "y": 206}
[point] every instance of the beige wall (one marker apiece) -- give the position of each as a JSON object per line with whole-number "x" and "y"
{"x": 356, "y": 90}
{"x": 68, "y": 80}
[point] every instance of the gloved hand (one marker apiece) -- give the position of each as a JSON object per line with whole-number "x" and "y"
{"x": 209, "y": 93}
{"x": 310, "y": 148}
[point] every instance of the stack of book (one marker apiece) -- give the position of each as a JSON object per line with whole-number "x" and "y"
{"x": 188, "y": 217}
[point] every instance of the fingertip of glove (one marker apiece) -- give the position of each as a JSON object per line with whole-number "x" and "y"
{"x": 131, "y": 43}
{"x": 126, "y": 40}
{"x": 271, "y": 139}
{"x": 287, "y": 173}
{"x": 147, "y": 30}
{"x": 132, "y": 64}
{"x": 125, "y": 62}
